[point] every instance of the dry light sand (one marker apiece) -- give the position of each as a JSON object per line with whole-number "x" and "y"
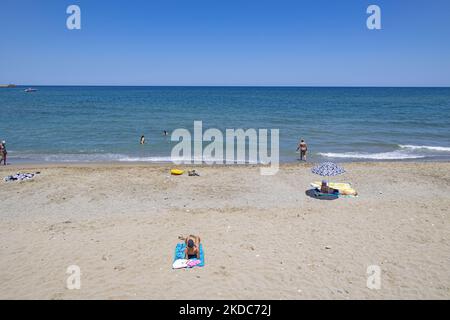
{"x": 264, "y": 237}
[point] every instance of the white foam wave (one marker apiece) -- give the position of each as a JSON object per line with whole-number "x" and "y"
{"x": 394, "y": 155}
{"x": 113, "y": 157}
{"x": 169, "y": 159}
{"x": 433, "y": 148}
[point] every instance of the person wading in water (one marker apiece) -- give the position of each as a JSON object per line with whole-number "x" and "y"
{"x": 3, "y": 152}
{"x": 303, "y": 147}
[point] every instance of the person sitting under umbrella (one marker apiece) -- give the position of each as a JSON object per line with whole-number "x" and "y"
{"x": 324, "y": 188}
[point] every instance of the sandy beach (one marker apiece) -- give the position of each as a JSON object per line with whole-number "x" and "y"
{"x": 264, "y": 236}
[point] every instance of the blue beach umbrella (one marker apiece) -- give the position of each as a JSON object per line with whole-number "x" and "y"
{"x": 328, "y": 169}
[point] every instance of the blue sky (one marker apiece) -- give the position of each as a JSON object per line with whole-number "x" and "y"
{"x": 225, "y": 42}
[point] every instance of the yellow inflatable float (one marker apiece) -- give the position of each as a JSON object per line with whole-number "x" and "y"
{"x": 176, "y": 172}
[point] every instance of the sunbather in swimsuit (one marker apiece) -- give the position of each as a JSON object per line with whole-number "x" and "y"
{"x": 303, "y": 147}
{"x": 192, "y": 250}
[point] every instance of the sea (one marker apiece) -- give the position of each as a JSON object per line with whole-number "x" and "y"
{"x": 104, "y": 124}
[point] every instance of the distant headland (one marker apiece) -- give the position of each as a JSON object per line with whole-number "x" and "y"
{"x": 7, "y": 85}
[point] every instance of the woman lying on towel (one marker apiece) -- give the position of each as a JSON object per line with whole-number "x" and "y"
{"x": 192, "y": 247}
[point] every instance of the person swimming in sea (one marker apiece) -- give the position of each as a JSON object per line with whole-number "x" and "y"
{"x": 303, "y": 147}
{"x": 165, "y": 133}
{"x": 142, "y": 141}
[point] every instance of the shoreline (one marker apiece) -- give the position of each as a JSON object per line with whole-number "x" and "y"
{"x": 170, "y": 164}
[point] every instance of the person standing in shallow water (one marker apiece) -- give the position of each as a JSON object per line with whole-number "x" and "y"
{"x": 303, "y": 147}
{"x": 142, "y": 141}
{"x": 3, "y": 152}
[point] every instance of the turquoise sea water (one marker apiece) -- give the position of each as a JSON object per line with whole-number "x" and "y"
{"x": 82, "y": 124}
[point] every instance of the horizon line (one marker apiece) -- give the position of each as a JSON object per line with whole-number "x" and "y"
{"x": 231, "y": 86}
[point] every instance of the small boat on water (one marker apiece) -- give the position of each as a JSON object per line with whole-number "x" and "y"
{"x": 30, "y": 90}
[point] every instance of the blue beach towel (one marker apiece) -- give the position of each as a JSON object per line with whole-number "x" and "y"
{"x": 179, "y": 253}
{"x": 317, "y": 193}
